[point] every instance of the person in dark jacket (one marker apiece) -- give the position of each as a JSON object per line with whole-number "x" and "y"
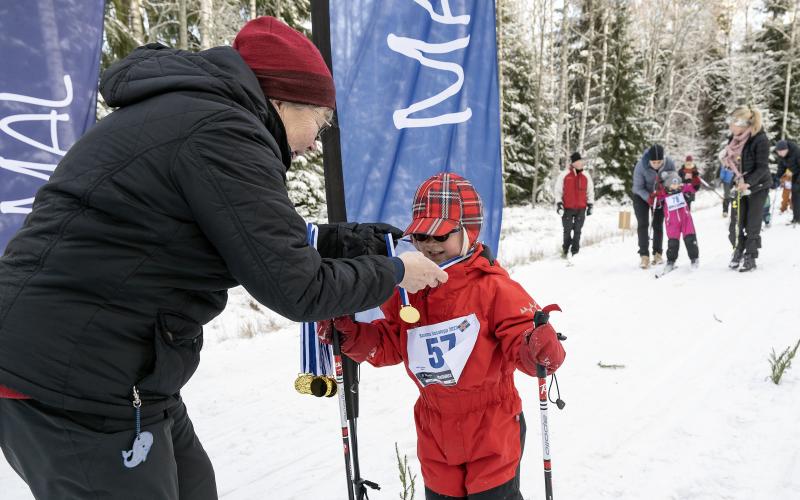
{"x": 747, "y": 154}
{"x": 131, "y": 246}
{"x": 646, "y": 182}
{"x": 789, "y": 159}
{"x": 690, "y": 175}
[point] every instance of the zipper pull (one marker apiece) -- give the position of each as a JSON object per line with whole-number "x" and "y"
{"x": 137, "y": 404}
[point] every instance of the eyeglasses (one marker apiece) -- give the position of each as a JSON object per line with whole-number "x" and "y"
{"x": 326, "y": 124}
{"x": 441, "y": 239}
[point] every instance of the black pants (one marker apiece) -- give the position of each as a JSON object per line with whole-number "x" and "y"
{"x": 744, "y": 231}
{"x": 674, "y": 244}
{"x": 642, "y": 211}
{"x": 76, "y": 456}
{"x": 796, "y": 202}
{"x": 506, "y": 491}
{"x": 726, "y": 197}
{"x": 572, "y": 220}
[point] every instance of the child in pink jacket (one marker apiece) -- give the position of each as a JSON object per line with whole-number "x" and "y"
{"x": 677, "y": 218}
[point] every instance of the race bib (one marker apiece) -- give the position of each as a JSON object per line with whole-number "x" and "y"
{"x": 675, "y": 201}
{"x": 438, "y": 353}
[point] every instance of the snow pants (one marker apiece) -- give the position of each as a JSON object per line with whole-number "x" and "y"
{"x": 744, "y": 231}
{"x": 470, "y": 456}
{"x": 674, "y": 244}
{"x": 573, "y": 220}
{"x": 66, "y": 455}
{"x": 642, "y": 211}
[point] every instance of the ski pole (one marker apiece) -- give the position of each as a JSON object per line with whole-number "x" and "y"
{"x": 702, "y": 181}
{"x": 340, "y": 390}
{"x": 541, "y": 317}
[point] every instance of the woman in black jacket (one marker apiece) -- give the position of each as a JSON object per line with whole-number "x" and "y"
{"x": 747, "y": 154}
{"x": 165, "y": 204}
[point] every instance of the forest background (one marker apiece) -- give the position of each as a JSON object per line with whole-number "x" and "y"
{"x": 606, "y": 78}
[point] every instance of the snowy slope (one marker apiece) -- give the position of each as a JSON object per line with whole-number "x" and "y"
{"x": 691, "y": 416}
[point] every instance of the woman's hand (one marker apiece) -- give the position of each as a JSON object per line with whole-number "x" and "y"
{"x": 742, "y": 186}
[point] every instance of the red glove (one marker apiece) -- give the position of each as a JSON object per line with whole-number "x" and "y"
{"x": 357, "y": 340}
{"x": 651, "y": 200}
{"x": 541, "y": 346}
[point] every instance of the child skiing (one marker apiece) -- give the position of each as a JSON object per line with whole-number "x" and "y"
{"x": 574, "y": 192}
{"x": 472, "y": 334}
{"x": 678, "y": 219}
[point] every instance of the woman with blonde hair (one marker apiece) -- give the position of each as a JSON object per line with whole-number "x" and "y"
{"x": 747, "y": 155}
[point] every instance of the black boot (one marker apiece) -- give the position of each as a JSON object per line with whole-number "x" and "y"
{"x": 749, "y": 264}
{"x": 735, "y": 259}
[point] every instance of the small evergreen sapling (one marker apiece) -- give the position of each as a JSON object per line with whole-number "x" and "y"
{"x": 780, "y": 364}
{"x": 407, "y": 479}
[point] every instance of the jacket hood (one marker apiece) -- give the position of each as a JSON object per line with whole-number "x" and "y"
{"x": 154, "y": 69}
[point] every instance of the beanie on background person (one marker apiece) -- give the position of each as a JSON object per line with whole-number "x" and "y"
{"x": 655, "y": 153}
{"x": 288, "y": 66}
{"x": 689, "y": 158}
{"x": 575, "y": 157}
{"x": 781, "y": 145}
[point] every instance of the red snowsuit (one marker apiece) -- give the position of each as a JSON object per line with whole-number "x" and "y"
{"x": 468, "y": 432}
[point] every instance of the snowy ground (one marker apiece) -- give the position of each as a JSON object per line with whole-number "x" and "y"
{"x": 691, "y": 415}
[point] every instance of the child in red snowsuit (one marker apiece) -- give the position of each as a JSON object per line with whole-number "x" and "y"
{"x": 678, "y": 221}
{"x": 474, "y": 331}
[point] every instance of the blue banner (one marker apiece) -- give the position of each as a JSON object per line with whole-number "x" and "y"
{"x": 417, "y": 94}
{"x": 50, "y": 60}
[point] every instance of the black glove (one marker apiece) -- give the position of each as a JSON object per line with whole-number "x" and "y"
{"x": 559, "y": 208}
{"x": 689, "y": 197}
{"x": 589, "y": 208}
{"x": 351, "y": 239}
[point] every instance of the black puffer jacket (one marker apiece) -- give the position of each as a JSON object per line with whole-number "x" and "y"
{"x": 755, "y": 162}
{"x": 147, "y": 221}
{"x": 790, "y": 161}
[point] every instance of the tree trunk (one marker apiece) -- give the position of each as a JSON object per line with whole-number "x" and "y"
{"x": 253, "y": 13}
{"x": 562, "y": 93}
{"x": 183, "y": 26}
{"x": 206, "y": 24}
{"x": 537, "y": 152}
{"x": 604, "y": 64}
{"x": 587, "y": 74}
{"x": 787, "y": 89}
{"x": 137, "y": 28}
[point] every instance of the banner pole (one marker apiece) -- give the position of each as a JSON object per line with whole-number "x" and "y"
{"x": 337, "y": 212}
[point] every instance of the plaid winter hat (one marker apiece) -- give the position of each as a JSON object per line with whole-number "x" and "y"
{"x": 443, "y": 203}
{"x": 288, "y": 66}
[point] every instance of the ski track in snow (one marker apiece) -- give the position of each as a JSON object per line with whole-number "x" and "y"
{"x": 691, "y": 416}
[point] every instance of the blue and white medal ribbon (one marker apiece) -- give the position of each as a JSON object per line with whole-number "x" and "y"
{"x": 409, "y": 313}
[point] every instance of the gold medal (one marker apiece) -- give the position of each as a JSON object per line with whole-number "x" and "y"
{"x": 302, "y": 383}
{"x": 409, "y": 314}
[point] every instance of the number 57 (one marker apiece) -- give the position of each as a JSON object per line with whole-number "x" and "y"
{"x": 436, "y": 358}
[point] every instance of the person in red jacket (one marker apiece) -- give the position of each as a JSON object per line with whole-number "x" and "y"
{"x": 690, "y": 175}
{"x": 574, "y": 194}
{"x": 473, "y": 332}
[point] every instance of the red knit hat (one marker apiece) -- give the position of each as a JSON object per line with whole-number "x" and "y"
{"x": 288, "y": 66}
{"x": 443, "y": 203}
{"x": 689, "y": 158}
